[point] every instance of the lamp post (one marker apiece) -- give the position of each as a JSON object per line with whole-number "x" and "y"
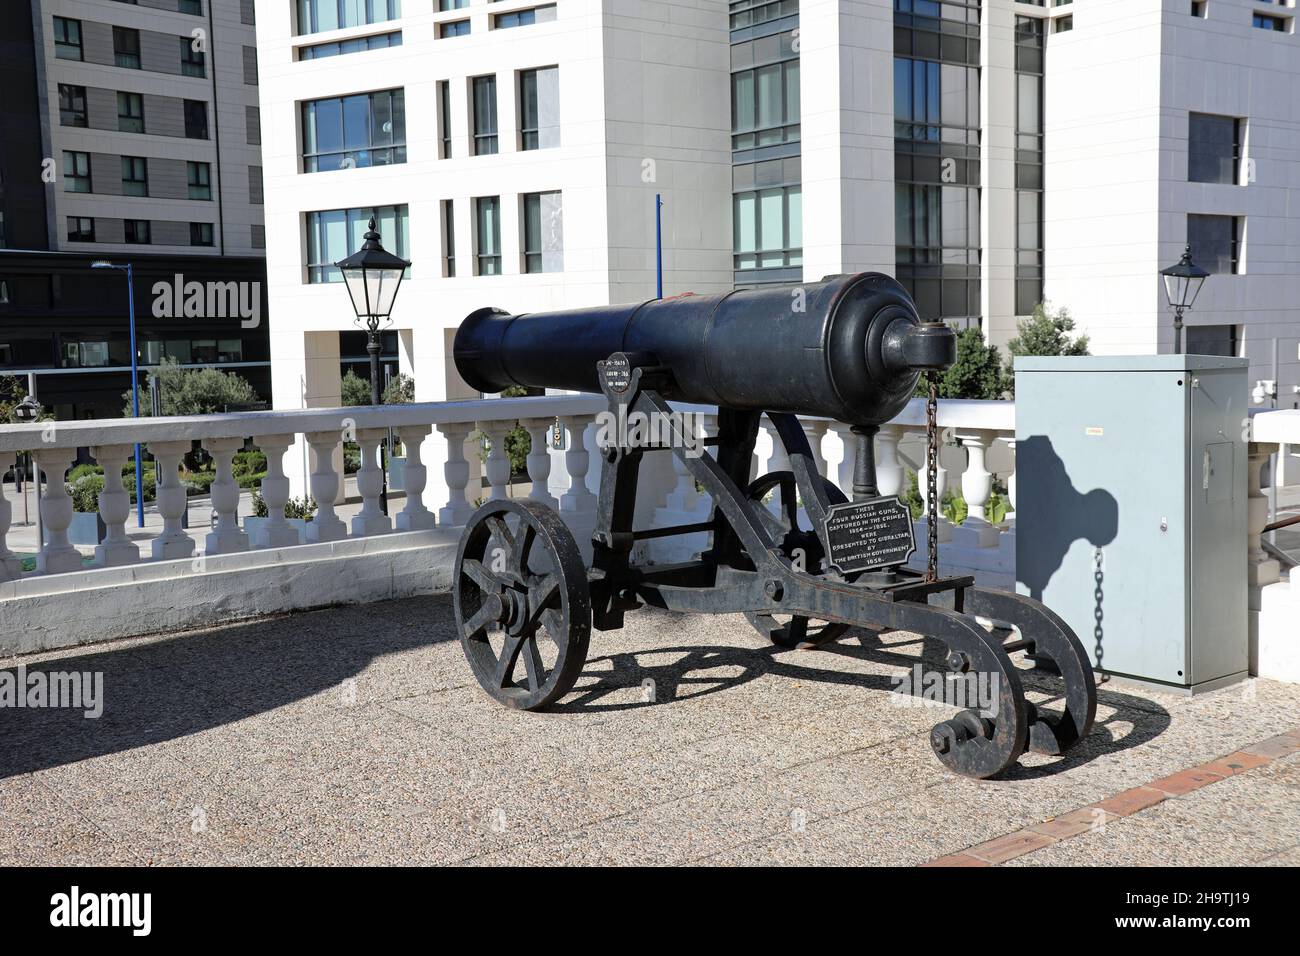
{"x": 135, "y": 380}
{"x": 1183, "y": 282}
{"x": 373, "y": 275}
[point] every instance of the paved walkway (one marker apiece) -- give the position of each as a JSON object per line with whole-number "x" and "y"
{"x": 355, "y": 735}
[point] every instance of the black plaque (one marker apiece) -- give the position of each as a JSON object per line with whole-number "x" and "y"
{"x": 617, "y": 372}
{"x": 865, "y": 535}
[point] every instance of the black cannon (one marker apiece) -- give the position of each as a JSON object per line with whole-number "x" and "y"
{"x": 849, "y": 348}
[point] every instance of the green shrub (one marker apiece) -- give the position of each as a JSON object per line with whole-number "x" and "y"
{"x": 248, "y": 462}
{"x": 351, "y": 458}
{"x": 82, "y": 470}
{"x": 85, "y": 492}
{"x": 304, "y": 507}
{"x": 251, "y": 480}
{"x": 198, "y": 482}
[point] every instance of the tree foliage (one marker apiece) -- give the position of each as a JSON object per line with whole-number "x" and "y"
{"x": 977, "y": 372}
{"x": 194, "y": 391}
{"x": 400, "y": 390}
{"x": 1044, "y": 333}
{"x": 355, "y": 389}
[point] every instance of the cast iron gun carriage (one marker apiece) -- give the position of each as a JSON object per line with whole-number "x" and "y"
{"x": 850, "y": 348}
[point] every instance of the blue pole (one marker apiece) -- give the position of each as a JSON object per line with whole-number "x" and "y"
{"x": 659, "y": 248}
{"x": 135, "y": 398}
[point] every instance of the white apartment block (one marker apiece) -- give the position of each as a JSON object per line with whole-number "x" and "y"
{"x": 991, "y": 154}
{"x": 150, "y": 126}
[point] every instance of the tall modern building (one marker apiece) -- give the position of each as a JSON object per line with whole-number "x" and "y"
{"x": 131, "y": 134}
{"x": 990, "y": 154}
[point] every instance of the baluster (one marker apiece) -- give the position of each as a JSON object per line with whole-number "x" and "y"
{"x": 578, "y": 498}
{"x": 1261, "y": 570}
{"x": 844, "y": 470}
{"x": 114, "y": 507}
{"x": 1010, "y": 522}
{"x": 456, "y": 472}
{"x": 370, "y": 483}
{"x": 891, "y": 479}
{"x": 497, "y": 467}
{"x": 976, "y": 488}
{"x": 170, "y": 501}
{"x": 324, "y": 480}
{"x": 539, "y": 459}
{"x": 414, "y": 516}
{"x": 778, "y": 460}
{"x": 941, "y": 486}
{"x": 11, "y": 566}
{"x": 226, "y": 536}
{"x": 275, "y": 532}
{"x": 815, "y": 429}
{"x": 57, "y": 554}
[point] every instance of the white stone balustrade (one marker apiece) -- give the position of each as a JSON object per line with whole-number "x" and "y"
{"x": 226, "y": 536}
{"x": 1274, "y": 592}
{"x": 370, "y": 484}
{"x": 114, "y": 508}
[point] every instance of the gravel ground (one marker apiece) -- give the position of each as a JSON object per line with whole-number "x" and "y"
{"x": 356, "y": 735}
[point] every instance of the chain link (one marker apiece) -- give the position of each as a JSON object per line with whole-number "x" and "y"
{"x": 932, "y": 476}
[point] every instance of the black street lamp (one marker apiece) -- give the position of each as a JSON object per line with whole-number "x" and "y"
{"x": 1183, "y": 282}
{"x": 373, "y": 275}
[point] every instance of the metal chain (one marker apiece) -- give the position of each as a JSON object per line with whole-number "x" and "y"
{"x": 932, "y": 476}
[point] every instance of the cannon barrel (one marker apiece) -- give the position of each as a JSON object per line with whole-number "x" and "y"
{"x": 848, "y": 347}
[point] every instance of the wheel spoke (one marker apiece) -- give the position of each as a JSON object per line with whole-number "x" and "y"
{"x": 553, "y": 621}
{"x": 541, "y": 593}
{"x": 523, "y": 546}
{"x": 509, "y": 657}
{"x": 790, "y": 504}
{"x": 533, "y": 663}
{"x": 489, "y": 612}
{"x": 481, "y": 576}
{"x": 501, "y": 532}
{"x": 797, "y": 630}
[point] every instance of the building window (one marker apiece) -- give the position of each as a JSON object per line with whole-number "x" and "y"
{"x": 136, "y": 231}
{"x": 453, "y": 28}
{"x": 126, "y": 48}
{"x": 130, "y": 113}
{"x": 487, "y": 235}
{"x": 1213, "y": 148}
{"x": 81, "y": 229}
{"x": 335, "y": 234}
{"x": 192, "y": 7}
{"x": 485, "y": 115}
{"x": 72, "y": 105}
{"x": 1215, "y": 242}
{"x": 523, "y": 18}
{"x": 765, "y": 105}
{"x": 200, "y": 234}
{"x": 76, "y": 172}
{"x": 67, "y": 39}
{"x": 1213, "y": 340}
{"x": 317, "y": 16}
{"x": 1063, "y": 24}
{"x": 444, "y": 117}
{"x": 1199, "y": 8}
{"x": 1266, "y": 22}
{"x": 445, "y": 5}
{"x": 543, "y": 232}
{"x": 746, "y": 13}
{"x": 135, "y": 176}
{"x": 348, "y": 132}
{"x": 196, "y": 119}
{"x": 448, "y": 239}
{"x": 539, "y": 108}
{"x": 768, "y": 228}
{"x": 358, "y": 45}
{"x": 198, "y": 177}
{"x": 192, "y": 62}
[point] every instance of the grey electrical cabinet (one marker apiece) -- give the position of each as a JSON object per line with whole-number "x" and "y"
{"x": 1131, "y": 510}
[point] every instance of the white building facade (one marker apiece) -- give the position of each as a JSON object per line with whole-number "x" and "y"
{"x": 990, "y": 154}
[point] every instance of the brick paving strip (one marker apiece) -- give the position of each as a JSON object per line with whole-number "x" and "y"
{"x": 1135, "y": 800}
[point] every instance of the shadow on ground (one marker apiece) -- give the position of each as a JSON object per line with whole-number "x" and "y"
{"x": 168, "y": 688}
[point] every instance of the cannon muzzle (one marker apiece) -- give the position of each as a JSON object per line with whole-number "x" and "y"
{"x": 848, "y": 347}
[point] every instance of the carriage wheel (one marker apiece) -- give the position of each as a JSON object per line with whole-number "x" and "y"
{"x": 788, "y": 630}
{"x": 522, "y": 606}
